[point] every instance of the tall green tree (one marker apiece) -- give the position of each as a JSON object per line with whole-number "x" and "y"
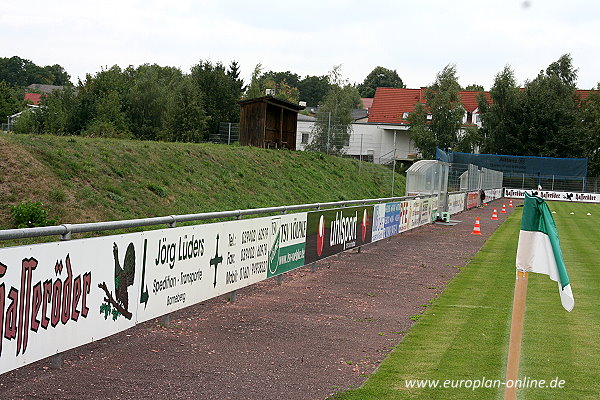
{"x": 441, "y": 125}
{"x": 333, "y": 127}
{"x": 186, "y": 120}
{"x": 221, "y": 93}
{"x": 501, "y": 118}
{"x": 9, "y": 101}
{"x": 380, "y": 77}
{"x": 551, "y": 120}
{"x": 146, "y": 102}
{"x": 591, "y": 128}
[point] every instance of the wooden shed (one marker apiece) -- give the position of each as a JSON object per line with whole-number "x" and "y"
{"x": 269, "y": 123}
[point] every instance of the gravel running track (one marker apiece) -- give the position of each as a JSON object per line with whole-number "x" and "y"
{"x": 315, "y": 334}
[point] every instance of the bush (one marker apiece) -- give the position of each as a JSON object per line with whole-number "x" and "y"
{"x": 28, "y": 122}
{"x": 30, "y": 214}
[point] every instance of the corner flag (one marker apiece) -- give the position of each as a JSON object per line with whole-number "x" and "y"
{"x": 539, "y": 248}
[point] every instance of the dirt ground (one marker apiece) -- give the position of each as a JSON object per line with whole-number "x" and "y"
{"x": 315, "y": 334}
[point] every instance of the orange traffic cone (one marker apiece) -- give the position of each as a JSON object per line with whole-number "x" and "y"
{"x": 510, "y": 203}
{"x": 476, "y": 228}
{"x": 503, "y": 209}
{"x": 495, "y": 214}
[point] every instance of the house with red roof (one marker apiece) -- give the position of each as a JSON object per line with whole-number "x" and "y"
{"x": 33, "y": 98}
{"x": 392, "y": 106}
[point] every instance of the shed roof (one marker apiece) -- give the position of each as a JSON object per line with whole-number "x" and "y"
{"x": 272, "y": 100}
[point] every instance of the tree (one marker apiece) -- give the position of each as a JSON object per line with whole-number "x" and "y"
{"x": 221, "y": 93}
{"x": 186, "y": 120}
{"x": 591, "y": 128}
{"x": 501, "y": 118}
{"x": 255, "y": 88}
{"x": 57, "y": 111}
{"x": 442, "y": 125}
{"x": 421, "y": 133}
{"x": 288, "y": 77}
{"x": 379, "y": 77}
{"x": 551, "y": 120}
{"x": 60, "y": 77}
{"x": 9, "y": 102}
{"x": 475, "y": 88}
{"x": 233, "y": 72}
{"x": 332, "y": 129}
{"x": 20, "y": 72}
{"x": 313, "y": 89}
{"x": 146, "y": 101}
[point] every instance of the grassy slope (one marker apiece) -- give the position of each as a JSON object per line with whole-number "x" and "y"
{"x": 464, "y": 335}
{"x": 83, "y": 179}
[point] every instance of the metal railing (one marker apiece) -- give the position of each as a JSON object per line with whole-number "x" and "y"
{"x": 65, "y": 231}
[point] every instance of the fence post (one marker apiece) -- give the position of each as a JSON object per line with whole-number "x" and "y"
{"x": 229, "y": 134}
{"x": 552, "y": 182}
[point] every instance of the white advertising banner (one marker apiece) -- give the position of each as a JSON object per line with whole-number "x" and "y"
{"x": 576, "y": 197}
{"x": 492, "y": 194}
{"x": 456, "y": 203}
{"x": 415, "y": 213}
{"x": 378, "y": 222}
{"x": 185, "y": 266}
{"x": 57, "y": 296}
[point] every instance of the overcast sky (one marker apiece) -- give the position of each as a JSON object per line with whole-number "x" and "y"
{"x": 417, "y": 38}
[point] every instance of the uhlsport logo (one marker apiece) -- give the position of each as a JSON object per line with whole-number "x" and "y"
{"x": 321, "y": 236}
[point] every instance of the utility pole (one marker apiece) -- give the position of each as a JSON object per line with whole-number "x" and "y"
{"x": 328, "y": 129}
{"x": 394, "y": 164}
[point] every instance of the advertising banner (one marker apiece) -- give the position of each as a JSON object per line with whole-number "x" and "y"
{"x": 287, "y": 243}
{"x": 404, "y": 216}
{"x": 184, "y": 266}
{"x": 434, "y": 206}
{"x": 378, "y": 222}
{"x": 386, "y": 220}
{"x": 415, "y": 213}
{"x": 57, "y": 296}
{"x": 425, "y": 211}
{"x": 456, "y": 203}
{"x": 472, "y": 199}
{"x": 492, "y": 194}
{"x": 332, "y": 231}
{"x": 576, "y": 197}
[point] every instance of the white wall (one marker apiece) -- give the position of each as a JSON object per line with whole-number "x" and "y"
{"x": 367, "y": 139}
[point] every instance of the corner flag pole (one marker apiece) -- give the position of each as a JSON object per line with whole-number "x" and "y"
{"x": 516, "y": 334}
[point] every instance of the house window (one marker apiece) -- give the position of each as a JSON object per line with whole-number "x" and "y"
{"x": 404, "y": 115}
{"x": 429, "y": 117}
{"x": 304, "y": 138}
{"x": 477, "y": 118}
{"x": 347, "y": 141}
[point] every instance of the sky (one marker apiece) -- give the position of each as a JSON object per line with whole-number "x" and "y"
{"x": 416, "y": 38}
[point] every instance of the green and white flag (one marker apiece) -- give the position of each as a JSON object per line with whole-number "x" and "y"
{"x": 539, "y": 248}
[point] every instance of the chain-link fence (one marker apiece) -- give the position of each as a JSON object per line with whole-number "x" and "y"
{"x": 553, "y": 182}
{"x": 229, "y": 132}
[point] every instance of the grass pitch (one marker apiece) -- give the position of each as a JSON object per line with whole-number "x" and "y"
{"x": 464, "y": 334}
